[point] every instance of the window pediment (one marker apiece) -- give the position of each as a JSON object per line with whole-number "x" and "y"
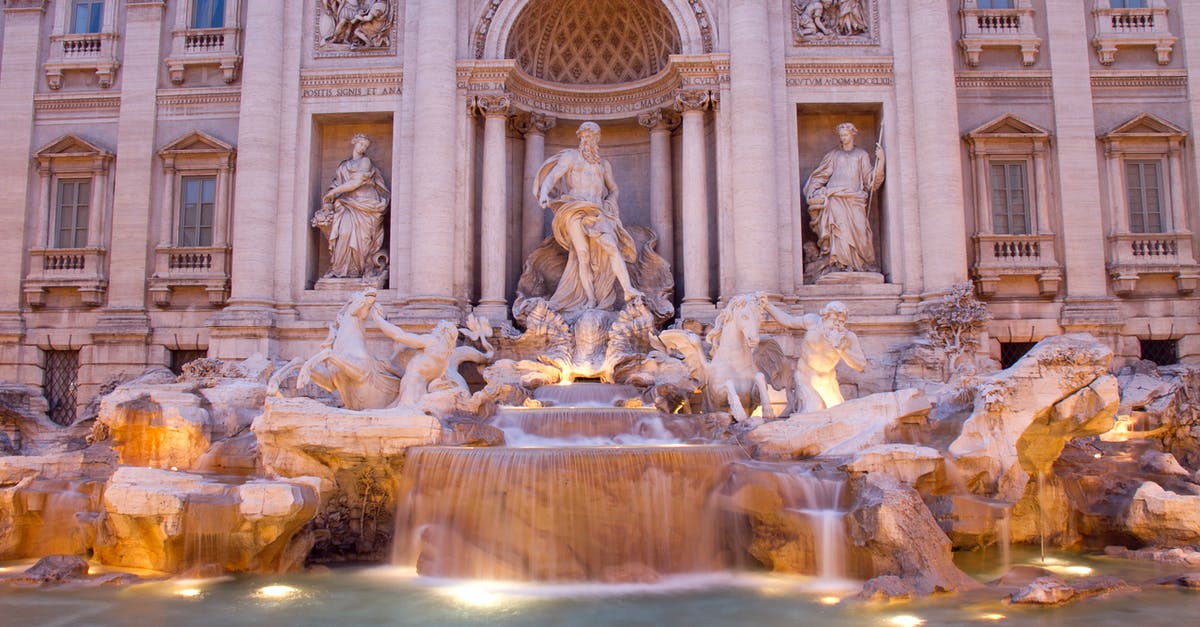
{"x": 1008, "y": 126}
{"x": 198, "y": 145}
{"x": 1145, "y": 126}
{"x": 71, "y": 147}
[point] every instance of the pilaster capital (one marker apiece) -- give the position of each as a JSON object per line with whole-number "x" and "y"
{"x": 659, "y": 119}
{"x": 492, "y": 106}
{"x": 694, "y": 100}
{"x": 532, "y": 122}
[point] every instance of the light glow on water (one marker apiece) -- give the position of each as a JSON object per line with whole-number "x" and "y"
{"x": 475, "y": 595}
{"x": 906, "y": 620}
{"x": 829, "y": 600}
{"x": 189, "y": 593}
{"x": 277, "y": 592}
{"x": 992, "y": 616}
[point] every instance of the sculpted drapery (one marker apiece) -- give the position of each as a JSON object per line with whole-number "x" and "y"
{"x": 838, "y": 191}
{"x": 357, "y": 200}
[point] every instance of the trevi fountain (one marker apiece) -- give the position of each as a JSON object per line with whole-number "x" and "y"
{"x": 592, "y": 446}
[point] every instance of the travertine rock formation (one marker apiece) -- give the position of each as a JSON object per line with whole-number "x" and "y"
{"x": 844, "y": 429}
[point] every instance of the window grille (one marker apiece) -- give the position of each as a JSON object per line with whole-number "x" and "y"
{"x": 1011, "y": 352}
{"x": 1161, "y": 352}
{"x": 181, "y": 357}
{"x": 59, "y": 381}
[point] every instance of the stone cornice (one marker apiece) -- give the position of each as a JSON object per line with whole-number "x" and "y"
{"x": 1024, "y": 79}
{"x": 594, "y": 101}
{"x": 857, "y": 71}
{"x": 76, "y": 102}
{"x": 180, "y": 101}
{"x": 17, "y": 6}
{"x": 1116, "y": 79}
{"x": 335, "y": 79}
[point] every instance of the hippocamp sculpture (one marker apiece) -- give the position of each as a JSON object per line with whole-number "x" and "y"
{"x": 730, "y": 375}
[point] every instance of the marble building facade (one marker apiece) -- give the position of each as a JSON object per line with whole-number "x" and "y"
{"x": 164, "y": 161}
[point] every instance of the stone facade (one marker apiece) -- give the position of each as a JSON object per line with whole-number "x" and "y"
{"x": 164, "y": 160}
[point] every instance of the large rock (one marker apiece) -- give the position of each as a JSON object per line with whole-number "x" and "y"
{"x": 171, "y": 521}
{"x": 1159, "y": 517}
{"x": 843, "y": 429}
{"x": 918, "y": 466}
{"x": 1023, "y": 416}
{"x": 898, "y": 536}
{"x": 160, "y": 426}
{"x": 354, "y": 456}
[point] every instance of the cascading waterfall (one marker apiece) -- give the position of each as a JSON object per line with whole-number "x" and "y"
{"x": 821, "y": 499}
{"x": 580, "y": 493}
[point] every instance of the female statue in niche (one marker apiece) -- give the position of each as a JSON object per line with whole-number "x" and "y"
{"x": 351, "y": 216}
{"x": 838, "y": 194}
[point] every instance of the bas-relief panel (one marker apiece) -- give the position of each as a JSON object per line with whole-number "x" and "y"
{"x": 353, "y": 28}
{"x": 834, "y": 23}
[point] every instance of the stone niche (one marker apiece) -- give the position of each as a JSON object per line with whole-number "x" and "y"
{"x": 331, "y": 145}
{"x": 816, "y": 129}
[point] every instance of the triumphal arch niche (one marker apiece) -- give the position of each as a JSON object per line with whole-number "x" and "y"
{"x": 642, "y": 70}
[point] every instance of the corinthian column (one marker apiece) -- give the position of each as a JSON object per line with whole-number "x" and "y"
{"x": 660, "y": 123}
{"x": 435, "y": 101}
{"x": 494, "y": 223}
{"x": 694, "y": 204}
{"x": 755, "y": 192}
{"x": 533, "y": 127}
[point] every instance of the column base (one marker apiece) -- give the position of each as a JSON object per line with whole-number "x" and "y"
{"x": 495, "y": 312}
{"x": 242, "y": 330}
{"x": 1098, "y": 317}
{"x": 431, "y": 309}
{"x": 700, "y": 309}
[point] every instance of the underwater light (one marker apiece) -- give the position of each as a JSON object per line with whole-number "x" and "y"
{"x": 992, "y": 616}
{"x": 277, "y": 591}
{"x": 475, "y": 596}
{"x": 189, "y": 593}
{"x": 830, "y": 600}
{"x": 906, "y": 620}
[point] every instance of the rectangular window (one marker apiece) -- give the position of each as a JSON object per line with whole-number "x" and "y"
{"x": 1011, "y": 352}
{"x": 86, "y": 16}
{"x": 1143, "y": 189}
{"x": 208, "y": 13}
{"x": 996, "y": 4}
{"x": 1161, "y": 352}
{"x": 1128, "y": 4}
{"x": 180, "y": 358}
{"x": 1010, "y": 204}
{"x": 71, "y": 213}
{"x": 58, "y": 383}
{"x": 196, "y": 208}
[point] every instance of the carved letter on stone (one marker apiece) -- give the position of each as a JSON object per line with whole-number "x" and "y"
{"x": 355, "y": 24}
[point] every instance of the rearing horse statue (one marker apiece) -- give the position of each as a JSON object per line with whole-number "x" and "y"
{"x": 345, "y": 365}
{"x": 731, "y": 378}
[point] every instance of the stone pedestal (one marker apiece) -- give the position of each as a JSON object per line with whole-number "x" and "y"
{"x": 850, "y": 278}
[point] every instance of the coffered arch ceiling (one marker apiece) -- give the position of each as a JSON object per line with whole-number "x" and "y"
{"x": 593, "y": 42}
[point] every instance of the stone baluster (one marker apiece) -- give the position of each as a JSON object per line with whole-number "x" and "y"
{"x": 533, "y": 126}
{"x": 494, "y": 206}
{"x": 660, "y": 123}
{"x": 694, "y": 203}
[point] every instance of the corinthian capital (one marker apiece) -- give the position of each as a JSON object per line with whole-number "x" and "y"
{"x": 533, "y": 122}
{"x": 694, "y": 100}
{"x": 659, "y": 119}
{"x": 492, "y": 106}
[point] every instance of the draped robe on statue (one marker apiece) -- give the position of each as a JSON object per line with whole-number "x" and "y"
{"x": 843, "y": 179}
{"x": 356, "y": 234}
{"x": 599, "y": 222}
